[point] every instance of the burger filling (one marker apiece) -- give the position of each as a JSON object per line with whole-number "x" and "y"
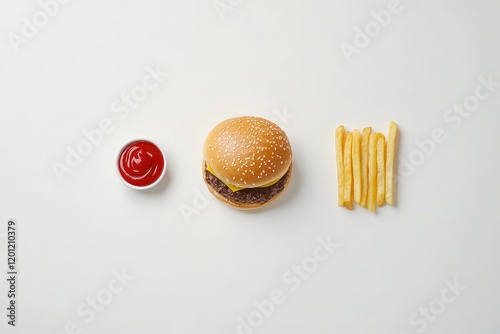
{"x": 236, "y": 188}
{"x": 247, "y": 195}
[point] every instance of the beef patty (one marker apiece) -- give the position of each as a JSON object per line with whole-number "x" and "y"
{"x": 247, "y": 195}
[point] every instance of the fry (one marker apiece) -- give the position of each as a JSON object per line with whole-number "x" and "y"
{"x": 380, "y": 169}
{"x": 389, "y": 176}
{"x": 372, "y": 172}
{"x": 364, "y": 164}
{"x": 348, "y": 170}
{"x": 339, "y": 147}
{"x": 356, "y": 165}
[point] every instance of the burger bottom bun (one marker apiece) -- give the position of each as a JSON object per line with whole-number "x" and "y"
{"x": 242, "y": 205}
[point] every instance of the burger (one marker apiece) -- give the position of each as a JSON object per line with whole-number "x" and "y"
{"x": 247, "y": 162}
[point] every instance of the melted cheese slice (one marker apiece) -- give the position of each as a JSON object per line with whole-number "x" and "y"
{"x": 236, "y": 188}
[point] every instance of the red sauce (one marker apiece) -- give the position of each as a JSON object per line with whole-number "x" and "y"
{"x": 141, "y": 163}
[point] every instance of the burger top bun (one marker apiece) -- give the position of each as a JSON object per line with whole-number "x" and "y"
{"x": 248, "y": 151}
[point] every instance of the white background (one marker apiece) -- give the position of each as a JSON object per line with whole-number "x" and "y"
{"x": 198, "y": 275}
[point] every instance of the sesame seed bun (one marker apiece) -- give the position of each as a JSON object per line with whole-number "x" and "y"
{"x": 248, "y": 151}
{"x": 251, "y": 153}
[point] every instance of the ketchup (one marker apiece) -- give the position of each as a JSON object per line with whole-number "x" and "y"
{"x": 141, "y": 163}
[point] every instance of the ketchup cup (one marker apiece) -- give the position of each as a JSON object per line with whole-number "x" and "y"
{"x": 141, "y": 164}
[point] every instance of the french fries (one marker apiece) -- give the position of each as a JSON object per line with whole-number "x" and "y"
{"x": 365, "y": 136}
{"x": 356, "y": 165}
{"x": 348, "y": 170}
{"x": 380, "y": 169}
{"x": 339, "y": 149}
{"x": 365, "y": 167}
{"x": 389, "y": 172}
{"x": 372, "y": 172}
